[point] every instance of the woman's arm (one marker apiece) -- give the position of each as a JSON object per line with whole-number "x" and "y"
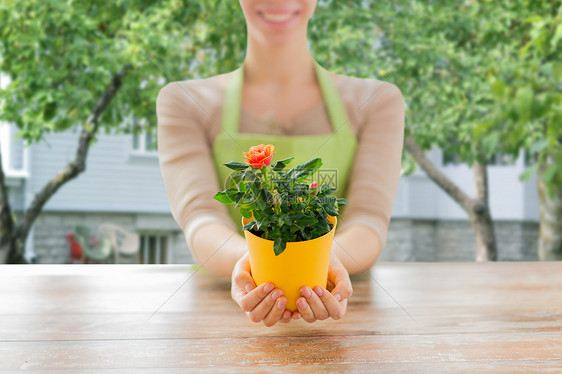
{"x": 219, "y": 247}
{"x": 189, "y": 175}
{"x": 374, "y": 180}
{"x": 357, "y": 247}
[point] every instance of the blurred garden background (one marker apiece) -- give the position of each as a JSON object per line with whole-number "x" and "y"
{"x": 482, "y": 81}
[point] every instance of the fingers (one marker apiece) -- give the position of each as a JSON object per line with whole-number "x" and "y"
{"x": 276, "y": 312}
{"x": 286, "y": 317}
{"x": 262, "y": 303}
{"x": 339, "y": 277}
{"x": 319, "y": 305}
{"x": 342, "y": 291}
{"x": 330, "y": 286}
{"x": 256, "y": 296}
{"x": 304, "y": 310}
{"x": 242, "y": 281}
{"x": 262, "y": 309}
{"x": 316, "y": 305}
{"x": 333, "y": 307}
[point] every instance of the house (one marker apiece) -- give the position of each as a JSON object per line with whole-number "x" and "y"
{"x": 122, "y": 184}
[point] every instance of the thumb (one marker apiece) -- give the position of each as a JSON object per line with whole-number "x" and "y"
{"x": 343, "y": 287}
{"x": 242, "y": 277}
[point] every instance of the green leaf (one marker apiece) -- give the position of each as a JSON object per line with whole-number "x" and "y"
{"x": 246, "y": 213}
{"x": 236, "y": 179}
{"x": 342, "y": 201}
{"x": 239, "y": 166}
{"x": 275, "y": 232}
{"x": 50, "y": 111}
{"x": 490, "y": 143}
{"x": 249, "y": 175}
{"x": 302, "y": 171}
{"x": 306, "y": 221}
{"x": 532, "y": 19}
{"x": 331, "y": 211}
{"x": 498, "y": 88}
{"x": 323, "y": 226}
{"x": 538, "y": 146}
{"x": 525, "y": 175}
{"x": 549, "y": 173}
{"x": 524, "y": 99}
{"x": 326, "y": 189}
{"x": 255, "y": 187}
{"x": 285, "y": 208}
{"x": 280, "y": 165}
{"x": 306, "y": 234}
{"x": 250, "y": 225}
{"x": 223, "y": 197}
{"x": 265, "y": 196}
{"x": 279, "y": 246}
{"x": 557, "y": 37}
{"x": 246, "y": 201}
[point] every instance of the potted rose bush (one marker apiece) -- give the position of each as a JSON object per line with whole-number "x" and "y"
{"x": 289, "y": 224}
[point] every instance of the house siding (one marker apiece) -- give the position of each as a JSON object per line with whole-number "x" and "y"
{"x": 114, "y": 179}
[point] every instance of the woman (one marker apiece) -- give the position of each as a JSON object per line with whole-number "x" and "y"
{"x": 356, "y": 124}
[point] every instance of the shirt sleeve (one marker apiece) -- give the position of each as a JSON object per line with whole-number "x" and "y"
{"x": 378, "y": 161}
{"x": 185, "y": 159}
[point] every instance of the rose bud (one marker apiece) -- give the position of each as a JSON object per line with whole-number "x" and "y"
{"x": 313, "y": 188}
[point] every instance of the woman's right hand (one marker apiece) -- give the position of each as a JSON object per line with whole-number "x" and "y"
{"x": 263, "y": 303}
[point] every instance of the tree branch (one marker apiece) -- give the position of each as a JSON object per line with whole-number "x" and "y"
{"x": 437, "y": 176}
{"x": 77, "y": 166}
{"x": 6, "y": 221}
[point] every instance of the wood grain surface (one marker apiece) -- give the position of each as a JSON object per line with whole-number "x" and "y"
{"x": 403, "y": 317}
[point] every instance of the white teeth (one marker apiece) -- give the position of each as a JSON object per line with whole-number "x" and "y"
{"x": 277, "y": 17}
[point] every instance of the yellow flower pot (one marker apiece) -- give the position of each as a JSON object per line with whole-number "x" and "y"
{"x": 301, "y": 263}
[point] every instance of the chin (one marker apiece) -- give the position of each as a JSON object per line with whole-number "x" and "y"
{"x": 277, "y": 21}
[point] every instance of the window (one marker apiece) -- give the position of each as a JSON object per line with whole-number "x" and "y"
{"x": 499, "y": 159}
{"x": 154, "y": 249}
{"x": 14, "y": 154}
{"x": 451, "y": 159}
{"x": 496, "y": 159}
{"x": 143, "y": 142}
{"x": 530, "y": 158}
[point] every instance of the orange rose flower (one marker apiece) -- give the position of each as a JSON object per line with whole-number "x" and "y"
{"x": 259, "y": 155}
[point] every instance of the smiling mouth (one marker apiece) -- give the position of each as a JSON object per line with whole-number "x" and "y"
{"x": 278, "y": 17}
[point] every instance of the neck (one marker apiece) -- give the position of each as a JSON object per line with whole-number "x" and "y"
{"x": 278, "y": 66}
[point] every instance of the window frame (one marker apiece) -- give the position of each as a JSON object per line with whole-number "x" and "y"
{"x": 142, "y": 136}
{"x": 144, "y": 254}
{"x": 6, "y": 143}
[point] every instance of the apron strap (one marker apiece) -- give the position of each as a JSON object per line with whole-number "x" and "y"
{"x": 232, "y": 102}
{"x": 233, "y": 97}
{"x": 334, "y": 105}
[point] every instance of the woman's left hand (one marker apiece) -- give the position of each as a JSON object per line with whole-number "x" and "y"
{"x": 321, "y": 303}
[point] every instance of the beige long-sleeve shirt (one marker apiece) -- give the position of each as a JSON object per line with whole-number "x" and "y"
{"x": 189, "y": 114}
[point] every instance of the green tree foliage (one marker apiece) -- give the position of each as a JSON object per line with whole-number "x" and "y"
{"x": 481, "y": 77}
{"x": 61, "y": 55}
{"x": 527, "y": 92}
{"x": 93, "y": 65}
{"x": 478, "y": 75}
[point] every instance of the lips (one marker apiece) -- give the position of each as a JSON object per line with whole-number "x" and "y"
{"x": 278, "y": 16}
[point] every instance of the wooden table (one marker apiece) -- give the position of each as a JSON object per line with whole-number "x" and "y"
{"x": 467, "y": 317}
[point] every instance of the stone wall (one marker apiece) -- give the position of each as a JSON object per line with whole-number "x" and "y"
{"x": 454, "y": 240}
{"x": 51, "y": 247}
{"x": 408, "y": 239}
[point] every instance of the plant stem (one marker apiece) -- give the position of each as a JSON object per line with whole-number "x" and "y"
{"x": 264, "y": 174}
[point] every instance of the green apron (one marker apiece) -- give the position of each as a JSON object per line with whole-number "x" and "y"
{"x": 336, "y": 149}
